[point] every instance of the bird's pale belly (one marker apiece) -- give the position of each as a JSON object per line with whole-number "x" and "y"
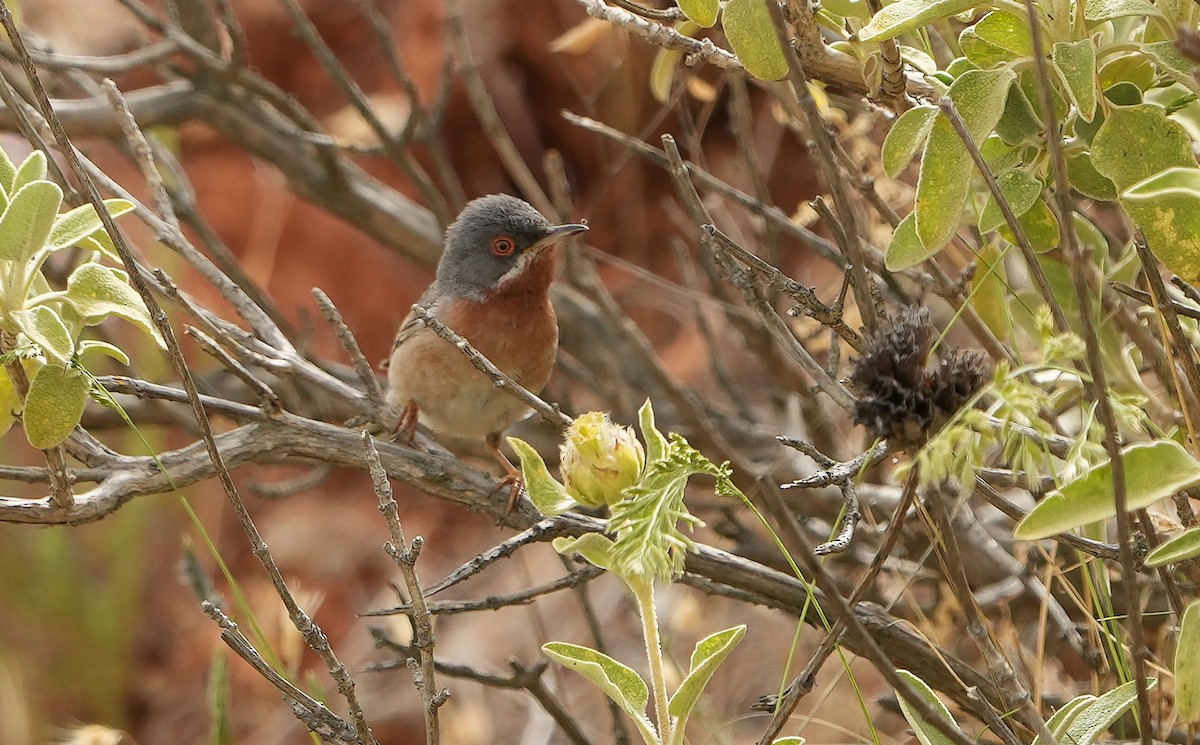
{"x": 453, "y": 398}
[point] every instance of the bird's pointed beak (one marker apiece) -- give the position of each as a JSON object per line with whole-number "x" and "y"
{"x": 558, "y": 233}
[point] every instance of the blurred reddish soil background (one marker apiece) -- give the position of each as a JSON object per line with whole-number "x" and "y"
{"x": 134, "y": 630}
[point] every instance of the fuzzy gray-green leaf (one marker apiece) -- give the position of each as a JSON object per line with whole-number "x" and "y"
{"x": 706, "y": 657}
{"x": 45, "y": 328}
{"x": 549, "y": 496}
{"x": 907, "y": 15}
{"x": 751, "y": 33}
{"x": 27, "y": 221}
{"x": 1153, "y": 470}
{"x": 619, "y": 682}
{"x": 57, "y": 395}
{"x": 1184, "y": 546}
{"x": 1187, "y": 665}
{"x": 97, "y": 291}
{"x": 906, "y": 137}
{"x": 702, "y": 12}
{"x": 1076, "y": 60}
{"x": 926, "y": 733}
{"x": 1097, "y": 716}
{"x": 1136, "y": 142}
{"x": 81, "y": 222}
{"x": 32, "y": 169}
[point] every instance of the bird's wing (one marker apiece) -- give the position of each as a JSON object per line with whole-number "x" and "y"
{"x": 411, "y": 324}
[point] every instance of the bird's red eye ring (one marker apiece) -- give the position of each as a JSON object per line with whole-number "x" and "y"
{"x": 503, "y": 245}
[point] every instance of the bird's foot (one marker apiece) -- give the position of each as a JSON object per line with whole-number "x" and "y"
{"x": 405, "y": 429}
{"x": 514, "y": 480}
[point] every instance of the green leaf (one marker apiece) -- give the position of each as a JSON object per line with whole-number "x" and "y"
{"x": 706, "y": 657}
{"x": 926, "y": 733}
{"x": 619, "y": 682}
{"x": 918, "y": 59}
{"x": 977, "y": 95}
{"x": 1061, "y": 719}
{"x": 1007, "y": 31}
{"x": 649, "y": 541}
{"x": 906, "y": 137}
{"x": 72, "y": 227}
{"x": 1097, "y": 11}
{"x": 45, "y": 328}
{"x": 1167, "y": 55}
{"x": 990, "y": 291}
{"x": 102, "y": 242}
{"x": 26, "y": 222}
{"x": 1123, "y": 94}
{"x": 1020, "y": 188}
{"x": 1076, "y": 61}
{"x": 1187, "y": 665}
{"x": 1166, "y": 207}
{"x": 945, "y": 179}
{"x": 1040, "y": 226}
{"x": 906, "y": 249}
{"x": 996, "y": 39}
{"x": 702, "y": 12}
{"x": 1184, "y": 546}
{"x": 791, "y": 740}
{"x": 103, "y": 347}
{"x": 96, "y": 292}
{"x": 981, "y": 53}
{"x": 1136, "y": 142}
{"x": 8, "y": 172}
{"x": 751, "y": 33}
{"x": 1087, "y": 180}
{"x": 656, "y": 444}
{"x": 848, "y": 8}
{"x": 597, "y": 549}
{"x": 1100, "y": 714}
{"x": 1153, "y": 470}
{"x": 907, "y": 15}
{"x": 54, "y": 406}
{"x": 10, "y": 402}
{"x": 943, "y": 186}
{"x": 662, "y": 73}
{"x": 549, "y": 496}
{"x": 999, "y": 156}
{"x": 33, "y": 169}
{"x": 1020, "y": 120}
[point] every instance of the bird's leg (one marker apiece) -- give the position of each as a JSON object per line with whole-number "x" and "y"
{"x": 406, "y": 424}
{"x": 514, "y": 480}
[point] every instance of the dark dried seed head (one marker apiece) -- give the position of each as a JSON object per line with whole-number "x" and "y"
{"x": 902, "y": 398}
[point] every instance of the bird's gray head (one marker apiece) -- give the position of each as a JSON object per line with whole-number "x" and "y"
{"x": 492, "y": 241}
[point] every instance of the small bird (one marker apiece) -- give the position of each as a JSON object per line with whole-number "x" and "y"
{"x": 492, "y": 288}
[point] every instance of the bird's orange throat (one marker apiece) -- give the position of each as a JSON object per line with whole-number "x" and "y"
{"x": 534, "y": 280}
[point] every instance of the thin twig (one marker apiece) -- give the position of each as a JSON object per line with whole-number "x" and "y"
{"x": 821, "y": 151}
{"x": 999, "y": 668}
{"x": 366, "y": 374}
{"x": 1079, "y": 263}
{"x": 495, "y": 602}
{"x": 549, "y": 412}
{"x": 405, "y": 556}
{"x": 314, "y": 714}
{"x": 269, "y": 400}
{"x": 395, "y": 148}
{"x": 489, "y": 118}
{"x": 782, "y": 334}
{"x": 1033, "y": 265}
{"x": 801, "y": 550}
{"x": 308, "y": 629}
{"x": 804, "y": 682}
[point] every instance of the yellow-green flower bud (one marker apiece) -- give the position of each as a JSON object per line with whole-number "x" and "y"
{"x": 600, "y": 459}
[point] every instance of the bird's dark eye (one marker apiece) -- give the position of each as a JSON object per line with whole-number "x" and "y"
{"x": 503, "y": 245}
